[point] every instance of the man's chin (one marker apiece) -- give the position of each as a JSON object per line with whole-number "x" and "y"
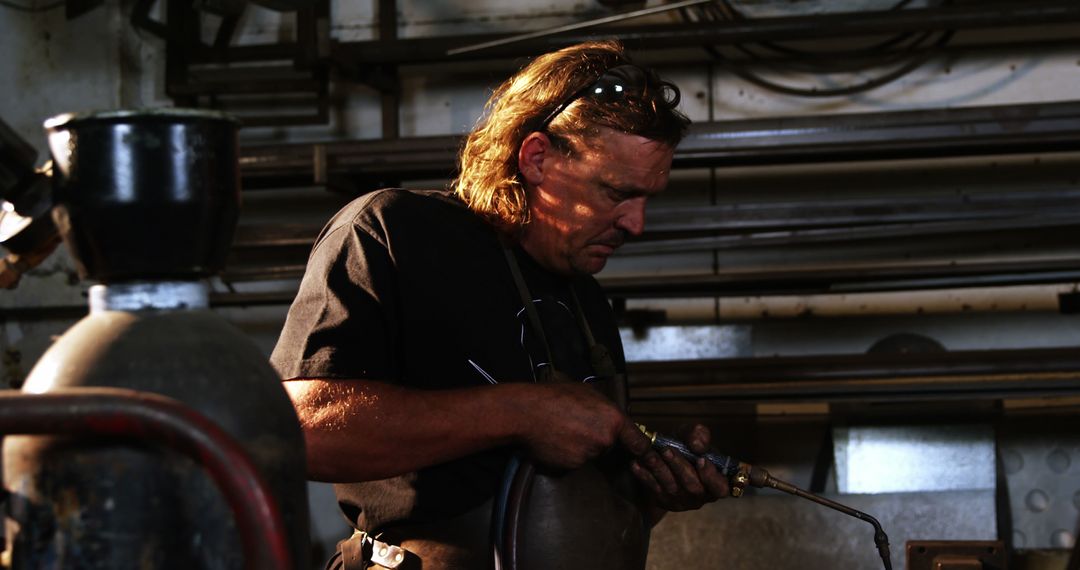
{"x": 591, "y": 265}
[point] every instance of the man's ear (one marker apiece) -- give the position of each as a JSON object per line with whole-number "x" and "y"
{"x": 531, "y": 157}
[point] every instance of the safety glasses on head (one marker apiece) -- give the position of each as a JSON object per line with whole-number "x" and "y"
{"x": 618, "y": 83}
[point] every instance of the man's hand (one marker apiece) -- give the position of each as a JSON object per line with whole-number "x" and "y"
{"x": 565, "y": 425}
{"x": 675, "y": 483}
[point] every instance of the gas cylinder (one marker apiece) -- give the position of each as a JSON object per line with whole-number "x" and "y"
{"x": 147, "y": 203}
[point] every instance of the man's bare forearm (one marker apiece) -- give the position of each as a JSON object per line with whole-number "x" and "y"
{"x": 362, "y": 430}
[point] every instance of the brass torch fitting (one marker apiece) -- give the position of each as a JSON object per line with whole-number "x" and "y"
{"x": 739, "y": 482}
{"x": 649, "y": 434}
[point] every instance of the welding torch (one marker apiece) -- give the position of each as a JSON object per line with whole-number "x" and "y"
{"x": 741, "y": 474}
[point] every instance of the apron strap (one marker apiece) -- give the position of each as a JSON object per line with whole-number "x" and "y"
{"x": 526, "y": 299}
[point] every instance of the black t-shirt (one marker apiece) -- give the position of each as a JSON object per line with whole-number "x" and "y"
{"x": 413, "y": 288}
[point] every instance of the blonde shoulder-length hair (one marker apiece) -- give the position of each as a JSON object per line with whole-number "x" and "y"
{"x": 488, "y": 180}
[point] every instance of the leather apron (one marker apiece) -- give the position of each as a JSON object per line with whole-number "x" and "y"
{"x": 584, "y": 518}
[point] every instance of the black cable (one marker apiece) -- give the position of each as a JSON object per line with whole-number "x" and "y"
{"x": 874, "y": 48}
{"x": 846, "y": 62}
{"x": 751, "y": 77}
{"x": 733, "y": 14}
{"x": 724, "y": 11}
{"x": 21, "y": 8}
{"x": 883, "y": 53}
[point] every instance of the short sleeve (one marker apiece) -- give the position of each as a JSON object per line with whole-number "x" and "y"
{"x": 343, "y": 323}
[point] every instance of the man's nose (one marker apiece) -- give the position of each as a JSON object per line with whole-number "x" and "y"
{"x": 631, "y": 217}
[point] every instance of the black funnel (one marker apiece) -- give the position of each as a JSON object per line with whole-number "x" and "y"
{"x": 145, "y": 195}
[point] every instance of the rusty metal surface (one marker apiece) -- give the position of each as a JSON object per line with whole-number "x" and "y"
{"x": 138, "y": 416}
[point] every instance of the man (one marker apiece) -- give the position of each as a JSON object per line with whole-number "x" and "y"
{"x": 456, "y": 368}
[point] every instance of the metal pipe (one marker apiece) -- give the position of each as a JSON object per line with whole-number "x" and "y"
{"x": 142, "y": 416}
{"x": 956, "y": 376}
{"x": 578, "y": 26}
{"x": 851, "y": 278}
{"x": 1006, "y": 299}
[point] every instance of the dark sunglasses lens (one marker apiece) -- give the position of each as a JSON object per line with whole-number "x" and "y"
{"x": 631, "y": 81}
{"x": 609, "y": 91}
{"x": 619, "y": 82}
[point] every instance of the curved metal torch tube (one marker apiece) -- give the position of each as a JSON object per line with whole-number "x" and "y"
{"x": 881, "y": 540}
{"x": 758, "y": 477}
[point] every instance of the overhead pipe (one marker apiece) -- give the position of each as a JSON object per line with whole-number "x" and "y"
{"x": 975, "y": 300}
{"x": 960, "y": 375}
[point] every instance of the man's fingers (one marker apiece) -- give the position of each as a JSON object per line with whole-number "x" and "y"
{"x": 633, "y": 440}
{"x": 716, "y": 485}
{"x": 698, "y": 438}
{"x": 658, "y": 466}
{"x": 645, "y": 477}
{"x": 685, "y": 473}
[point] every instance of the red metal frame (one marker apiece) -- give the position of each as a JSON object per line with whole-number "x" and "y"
{"x": 128, "y": 414}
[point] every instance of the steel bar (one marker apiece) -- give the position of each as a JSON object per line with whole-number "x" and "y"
{"x": 972, "y": 131}
{"x": 615, "y": 18}
{"x": 1061, "y": 221}
{"x": 275, "y": 166}
{"x": 888, "y": 209}
{"x": 806, "y": 280}
{"x": 140, "y": 416}
{"x": 945, "y": 376}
